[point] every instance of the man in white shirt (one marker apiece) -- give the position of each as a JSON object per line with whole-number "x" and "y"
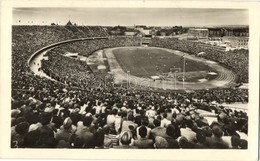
{"x": 164, "y": 121}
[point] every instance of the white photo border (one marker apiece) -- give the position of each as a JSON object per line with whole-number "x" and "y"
{"x": 5, "y": 94}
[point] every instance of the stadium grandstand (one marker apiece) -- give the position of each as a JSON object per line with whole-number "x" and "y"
{"x": 65, "y": 108}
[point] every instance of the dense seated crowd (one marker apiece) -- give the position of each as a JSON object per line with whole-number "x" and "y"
{"x": 62, "y": 118}
{"x": 38, "y": 37}
{"x": 48, "y": 114}
{"x": 237, "y": 60}
{"x": 74, "y": 71}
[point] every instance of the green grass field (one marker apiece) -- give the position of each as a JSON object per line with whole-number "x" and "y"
{"x": 146, "y": 62}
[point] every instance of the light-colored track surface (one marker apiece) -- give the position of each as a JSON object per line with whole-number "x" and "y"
{"x": 225, "y": 78}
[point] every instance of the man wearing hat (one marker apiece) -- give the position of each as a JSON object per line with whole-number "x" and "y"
{"x": 65, "y": 131}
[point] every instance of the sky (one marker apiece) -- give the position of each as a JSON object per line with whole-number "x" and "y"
{"x": 131, "y": 16}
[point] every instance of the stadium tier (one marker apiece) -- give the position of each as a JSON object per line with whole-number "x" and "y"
{"x": 72, "y": 112}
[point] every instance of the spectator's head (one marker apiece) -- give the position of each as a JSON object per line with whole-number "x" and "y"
{"x": 124, "y": 114}
{"x": 159, "y": 117}
{"x": 170, "y": 131}
{"x": 76, "y": 141}
{"x": 20, "y": 119}
{"x": 201, "y": 136}
{"x": 98, "y": 139}
{"x": 243, "y": 144}
{"x": 93, "y": 111}
{"x": 217, "y": 131}
{"x": 207, "y": 130}
{"x": 235, "y": 141}
{"x": 130, "y": 117}
{"x": 142, "y": 112}
{"x": 189, "y": 123}
{"x": 156, "y": 122}
{"x": 45, "y": 118}
{"x": 102, "y": 121}
{"x": 184, "y": 143}
{"x": 67, "y": 123}
{"x": 31, "y": 139}
{"x": 164, "y": 115}
{"x": 15, "y": 113}
{"x": 145, "y": 121}
{"x": 126, "y": 138}
{"x": 244, "y": 128}
{"x": 160, "y": 143}
{"x": 230, "y": 130}
{"x": 115, "y": 111}
{"x": 46, "y": 137}
{"x": 142, "y": 131}
{"x": 87, "y": 121}
{"x": 22, "y": 128}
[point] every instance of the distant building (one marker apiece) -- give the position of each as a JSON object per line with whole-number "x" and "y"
{"x": 198, "y": 33}
{"x": 238, "y": 32}
{"x": 228, "y": 31}
{"x": 117, "y": 30}
{"x": 130, "y": 33}
{"x": 147, "y": 31}
{"x": 144, "y": 30}
{"x": 216, "y": 32}
{"x": 236, "y": 42}
{"x": 139, "y": 27}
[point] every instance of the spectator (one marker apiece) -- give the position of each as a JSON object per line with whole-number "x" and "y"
{"x": 145, "y": 123}
{"x": 158, "y": 130}
{"x": 187, "y": 131}
{"x": 170, "y": 137}
{"x": 125, "y": 141}
{"x": 85, "y": 132}
{"x": 160, "y": 143}
{"x": 216, "y": 140}
{"x": 65, "y": 132}
{"x": 143, "y": 143}
{"x": 165, "y": 122}
{"x": 127, "y": 123}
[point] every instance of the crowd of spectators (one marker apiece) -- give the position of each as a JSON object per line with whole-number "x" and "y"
{"x": 48, "y": 114}
{"x": 62, "y": 118}
{"x": 236, "y": 60}
{"x": 38, "y": 37}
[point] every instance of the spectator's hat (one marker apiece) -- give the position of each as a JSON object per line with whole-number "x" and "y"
{"x": 222, "y": 115}
{"x": 160, "y": 142}
{"x": 15, "y": 113}
{"x": 67, "y": 123}
{"x": 49, "y": 109}
{"x": 179, "y": 118}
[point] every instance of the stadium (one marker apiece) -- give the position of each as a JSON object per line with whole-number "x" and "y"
{"x": 83, "y": 87}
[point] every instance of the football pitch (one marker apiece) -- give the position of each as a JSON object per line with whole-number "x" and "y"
{"x": 147, "y": 62}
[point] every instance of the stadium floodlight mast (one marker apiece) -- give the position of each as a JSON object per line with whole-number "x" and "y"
{"x": 183, "y": 73}
{"x": 127, "y": 83}
{"x": 176, "y": 70}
